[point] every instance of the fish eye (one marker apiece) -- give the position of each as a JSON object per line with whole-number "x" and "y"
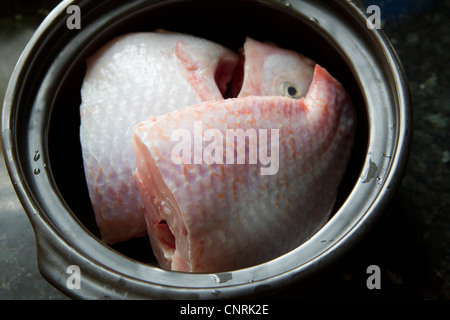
{"x": 291, "y": 90}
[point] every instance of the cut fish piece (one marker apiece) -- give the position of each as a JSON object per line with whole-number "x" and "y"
{"x": 129, "y": 79}
{"x": 207, "y": 215}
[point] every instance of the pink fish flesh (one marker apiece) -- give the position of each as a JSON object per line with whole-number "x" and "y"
{"x": 205, "y": 214}
{"x": 129, "y": 79}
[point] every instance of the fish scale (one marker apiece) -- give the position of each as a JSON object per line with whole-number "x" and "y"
{"x": 217, "y": 228}
{"x": 129, "y": 79}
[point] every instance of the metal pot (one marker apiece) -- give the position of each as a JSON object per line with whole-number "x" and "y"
{"x": 40, "y": 134}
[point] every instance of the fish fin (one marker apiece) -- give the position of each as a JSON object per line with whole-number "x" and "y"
{"x": 325, "y": 92}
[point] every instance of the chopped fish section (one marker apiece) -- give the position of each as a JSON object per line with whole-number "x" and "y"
{"x": 129, "y": 79}
{"x": 211, "y": 206}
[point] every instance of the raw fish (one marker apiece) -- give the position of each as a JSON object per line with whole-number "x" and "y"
{"x": 267, "y": 70}
{"x": 207, "y": 214}
{"x": 129, "y": 79}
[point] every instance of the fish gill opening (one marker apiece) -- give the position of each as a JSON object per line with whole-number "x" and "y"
{"x": 165, "y": 237}
{"x": 231, "y": 88}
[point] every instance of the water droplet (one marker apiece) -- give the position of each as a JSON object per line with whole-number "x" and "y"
{"x": 37, "y": 171}
{"x": 314, "y": 20}
{"x": 221, "y": 277}
{"x": 36, "y": 157}
{"x": 286, "y": 3}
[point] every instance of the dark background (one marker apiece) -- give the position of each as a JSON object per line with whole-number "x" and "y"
{"x": 410, "y": 243}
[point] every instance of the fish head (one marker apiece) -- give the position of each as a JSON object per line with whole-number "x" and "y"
{"x": 267, "y": 70}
